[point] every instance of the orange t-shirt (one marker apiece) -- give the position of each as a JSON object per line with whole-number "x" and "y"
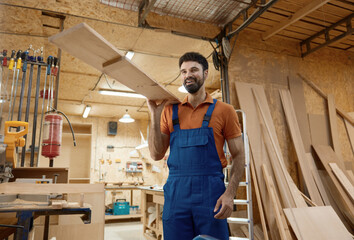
{"x": 224, "y": 121}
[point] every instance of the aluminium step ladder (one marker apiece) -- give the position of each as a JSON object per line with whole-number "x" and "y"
{"x": 247, "y": 184}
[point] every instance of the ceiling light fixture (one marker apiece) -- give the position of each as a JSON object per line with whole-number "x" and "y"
{"x": 182, "y": 89}
{"x": 86, "y": 111}
{"x": 121, "y": 93}
{"x": 129, "y": 55}
{"x": 126, "y": 118}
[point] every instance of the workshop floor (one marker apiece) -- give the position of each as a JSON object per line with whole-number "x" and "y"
{"x": 124, "y": 231}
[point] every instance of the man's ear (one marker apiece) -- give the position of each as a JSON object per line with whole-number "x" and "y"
{"x": 206, "y": 72}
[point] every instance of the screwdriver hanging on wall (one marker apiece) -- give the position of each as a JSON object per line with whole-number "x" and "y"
{"x": 18, "y": 67}
{"x": 2, "y": 82}
{"x": 28, "y": 104}
{"x": 48, "y": 73}
{"x": 35, "y": 111}
{"x": 12, "y": 66}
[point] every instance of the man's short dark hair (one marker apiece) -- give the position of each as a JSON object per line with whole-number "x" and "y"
{"x": 194, "y": 57}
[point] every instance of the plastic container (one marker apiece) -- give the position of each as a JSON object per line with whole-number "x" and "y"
{"x": 121, "y": 207}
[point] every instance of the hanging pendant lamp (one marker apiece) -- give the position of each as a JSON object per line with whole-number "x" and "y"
{"x": 126, "y": 118}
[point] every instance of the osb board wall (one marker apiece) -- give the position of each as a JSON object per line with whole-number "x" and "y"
{"x": 94, "y": 9}
{"x": 127, "y": 138}
{"x": 270, "y": 63}
{"x": 17, "y": 32}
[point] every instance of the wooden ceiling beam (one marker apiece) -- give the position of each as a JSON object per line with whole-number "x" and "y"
{"x": 297, "y": 16}
{"x": 328, "y": 40}
{"x": 144, "y": 10}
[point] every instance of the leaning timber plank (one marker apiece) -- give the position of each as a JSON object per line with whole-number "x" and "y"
{"x": 350, "y": 130}
{"x": 288, "y": 191}
{"x": 334, "y": 198}
{"x": 299, "y": 147}
{"x": 259, "y": 200}
{"x": 258, "y": 149}
{"x": 350, "y": 176}
{"x": 317, "y": 179}
{"x": 86, "y": 44}
{"x": 326, "y": 155}
{"x": 321, "y": 93}
{"x": 30, "y": 188}
{"x": 319, "y": 128}
{"x": 347, "y": 185}
{"x": 258, "y": 232}
{"x": 298, "y": 97}
{"x": 317, "y": 223}
{"x": 279, "y": 216}
{"x": 334, "y": 129}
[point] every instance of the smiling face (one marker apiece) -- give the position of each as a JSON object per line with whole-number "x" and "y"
{"x": 193, "y": 76}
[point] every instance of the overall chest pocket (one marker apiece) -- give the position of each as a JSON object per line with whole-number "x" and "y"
{"x": 193, "y": 148}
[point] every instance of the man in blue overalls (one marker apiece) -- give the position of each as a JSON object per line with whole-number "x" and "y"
{"x": 196, "y": 201}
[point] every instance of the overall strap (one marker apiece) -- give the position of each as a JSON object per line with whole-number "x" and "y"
{"x": 207, "y": 116}
{"x": 175, "y": 119}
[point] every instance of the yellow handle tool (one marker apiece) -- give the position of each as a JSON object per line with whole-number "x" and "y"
{"x": 14, "y": 139}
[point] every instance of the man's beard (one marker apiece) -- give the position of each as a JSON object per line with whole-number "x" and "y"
{"x": 194, "y": 87}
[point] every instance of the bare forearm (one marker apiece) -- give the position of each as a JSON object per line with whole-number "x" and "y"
{"x": 156, "y": 143}
{"x": 236, "y": 173}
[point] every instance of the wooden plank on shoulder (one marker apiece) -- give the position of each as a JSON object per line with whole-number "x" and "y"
{"x": 317, "y": 223}
{"x": 86, "y": 44}
{"x": 299, "y": 147}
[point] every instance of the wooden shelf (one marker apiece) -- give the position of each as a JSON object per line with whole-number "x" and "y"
{"x": 128, "y": 216}
{"x": 79, "y": 128}
{"x": 79, "y": 180}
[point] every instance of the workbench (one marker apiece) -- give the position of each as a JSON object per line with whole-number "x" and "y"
{"x": 25, "y": 215}
{"x": 121, "y": 188}
{"x": 152, "y": 198}
{"x": 68, "y": 225}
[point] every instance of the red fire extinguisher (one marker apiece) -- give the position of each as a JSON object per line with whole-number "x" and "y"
{"x": 52, "y": 132}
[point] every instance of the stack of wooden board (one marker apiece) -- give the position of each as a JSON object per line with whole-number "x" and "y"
{"x": 286, "y": 212}
{"x": 86, "y": 44}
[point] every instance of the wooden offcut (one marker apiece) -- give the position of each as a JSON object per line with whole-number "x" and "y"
{"x": 327, "y": 155}
{"x": 344, "y": 181}
{"x": 317, "y": 223}
{"x": 86, "y": 44}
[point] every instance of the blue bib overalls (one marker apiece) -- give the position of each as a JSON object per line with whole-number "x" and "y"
{"x": 194, "y": 184}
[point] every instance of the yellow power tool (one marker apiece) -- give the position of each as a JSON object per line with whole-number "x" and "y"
{"x": 14, "y": 139}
